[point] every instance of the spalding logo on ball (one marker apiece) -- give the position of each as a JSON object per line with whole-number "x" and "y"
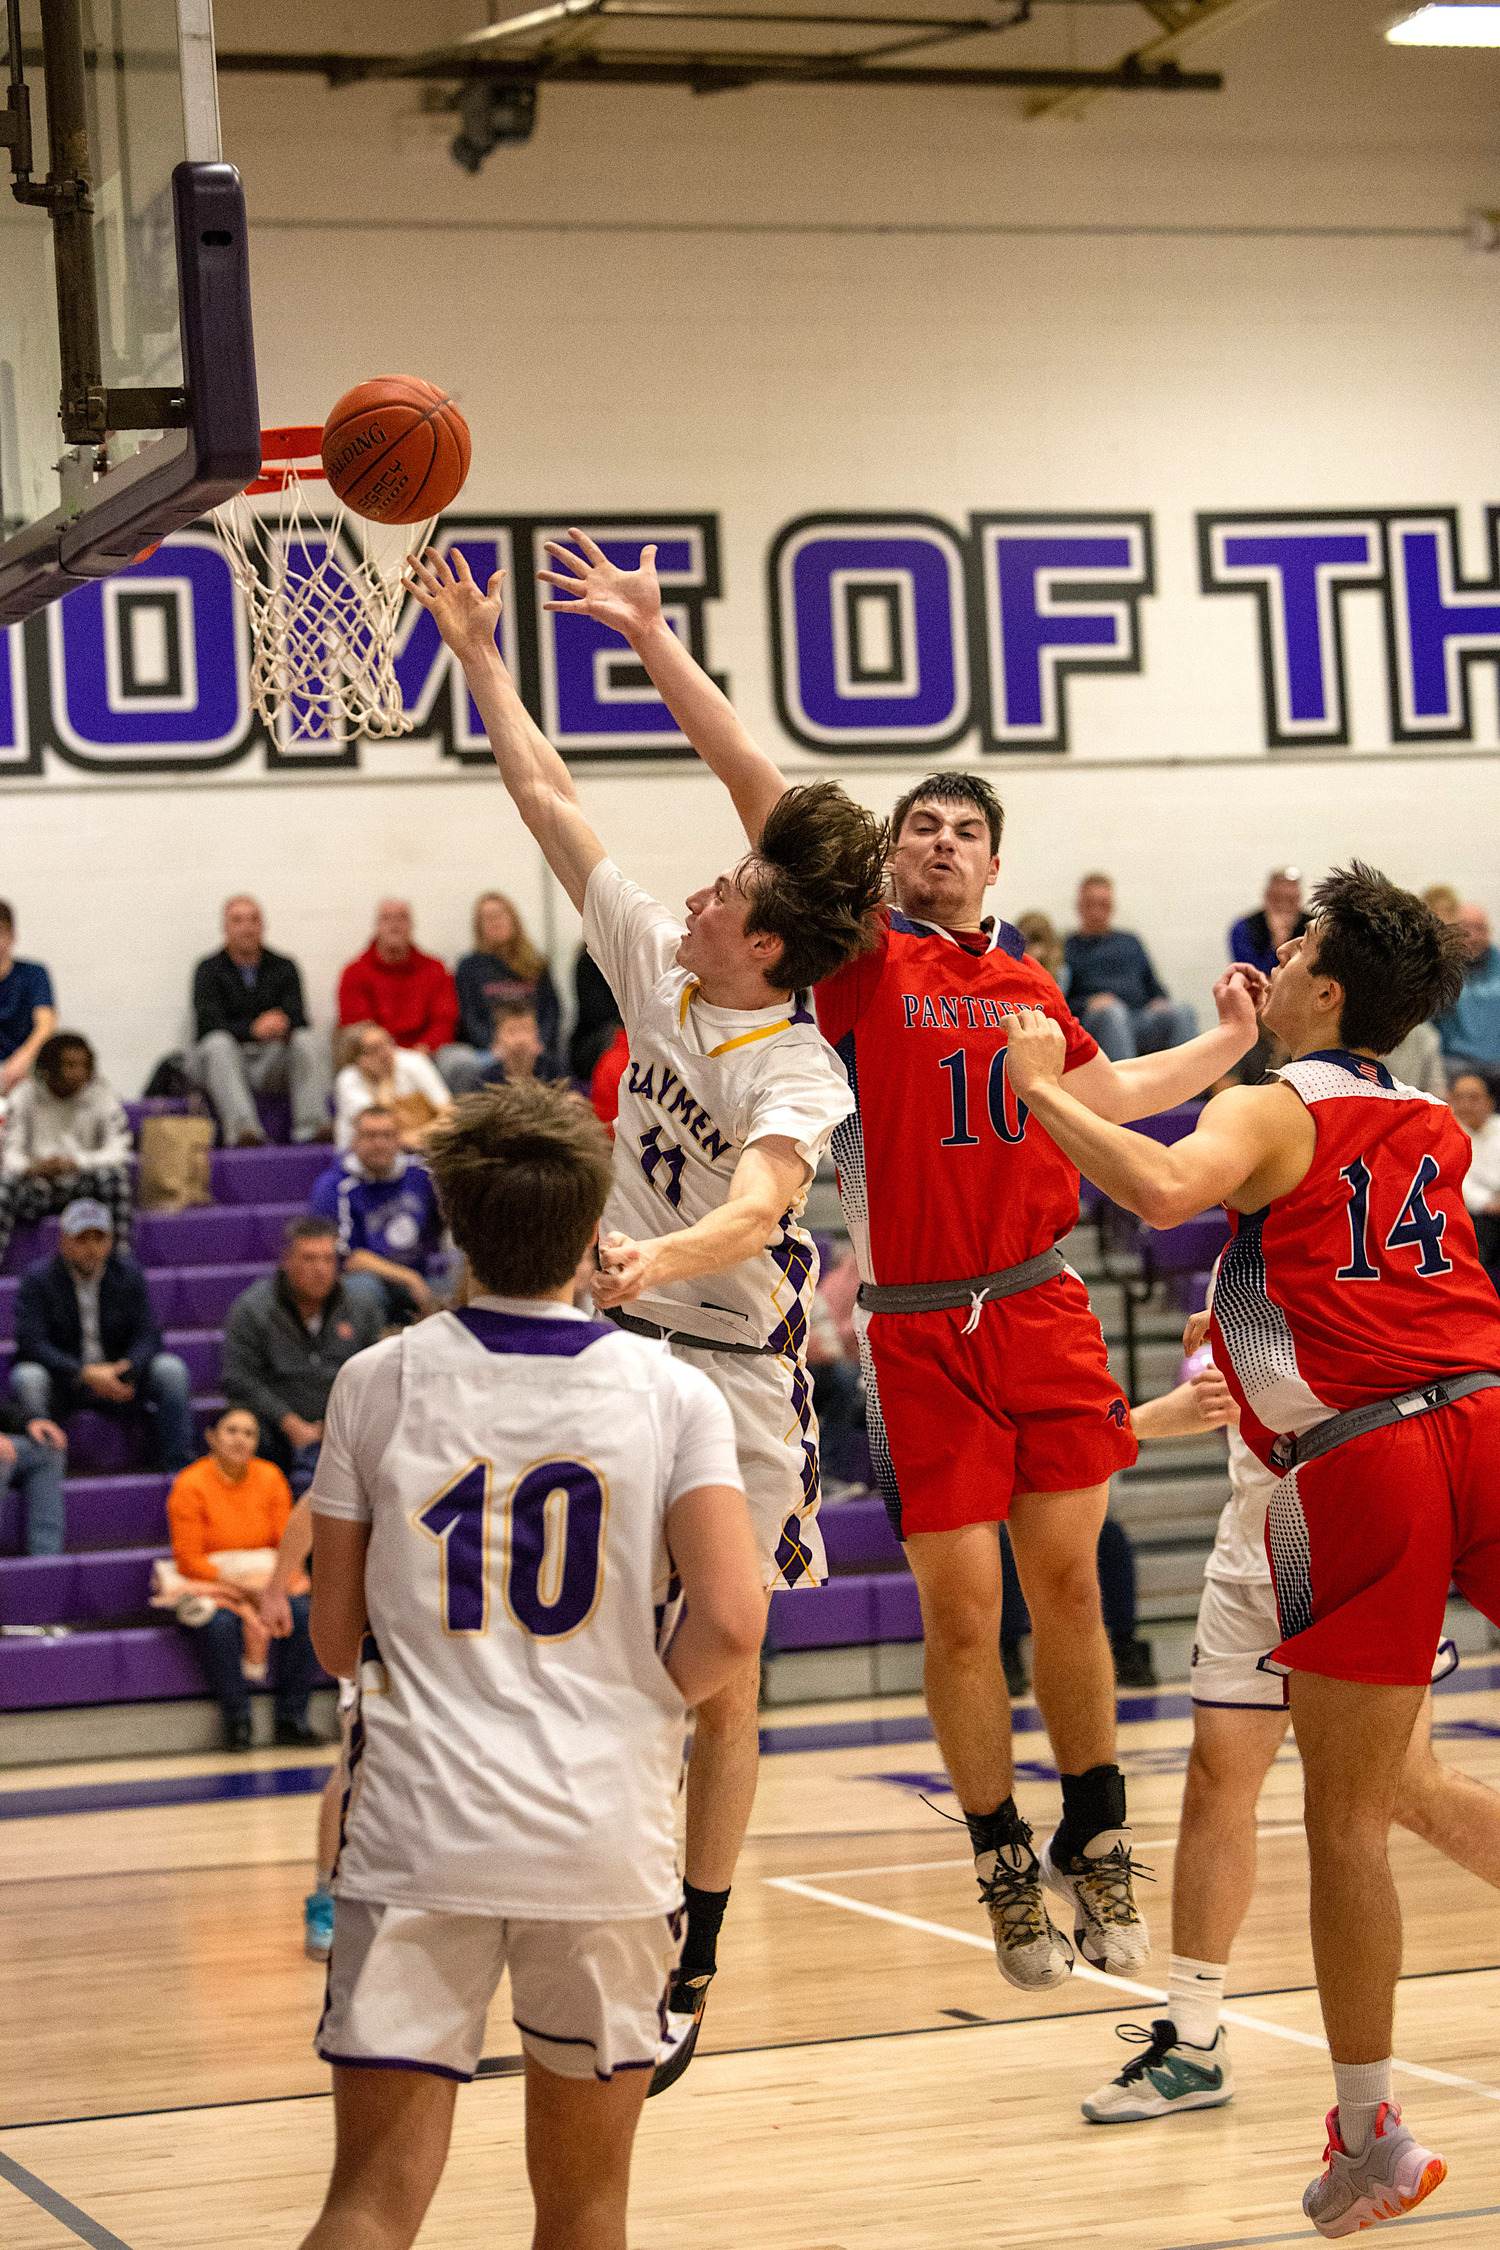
{"x": 396, "y": 449}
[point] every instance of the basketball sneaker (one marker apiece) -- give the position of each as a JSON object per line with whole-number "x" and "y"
{"x": 317, "y": 1925}
{"x": 1032, "y": 1954}
{"x": 1388, "y": 2177}
{"x": 686, "y": 2001}
{"x": 1166, "y": 2077}
{"x": 1107, "y": 1927}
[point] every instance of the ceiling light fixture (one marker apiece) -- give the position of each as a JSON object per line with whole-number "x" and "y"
{"x": 1449, "y": 23}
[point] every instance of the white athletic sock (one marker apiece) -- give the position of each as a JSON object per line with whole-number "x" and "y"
{"x": 1359, "y": 2089}
{"x": 1195, "y": 1994}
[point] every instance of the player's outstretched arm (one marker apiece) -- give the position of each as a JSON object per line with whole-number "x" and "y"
{"x": 1251, "y": 1144}
{"x": 713, "y": 1552}
{"x": 768, "y": 1179}
{"x": 339, "y": 1615}
{"x": 630, "y": 602}
{"x": 531, "y": 769}
{"x": 1148, "y": 1084}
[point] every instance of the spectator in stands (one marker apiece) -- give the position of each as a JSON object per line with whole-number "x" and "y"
{"x": 285, "y": 1338}
{"x": 34, "y": 1457}
{"x": 402, "y": 1079}
{"x": 86, "y": 1335}
{"x": 604, "y": 1086}
{"x": 516, "y": 1051}
{"x": 1112, "y": 986}
{"x": 1279, "y": 918}
{"x": 27, "y": 1015}
{"x": 504, "y": 965}
{"x": 252, "y": 1034}
{"x": 384, "y": 1205}
{"x": 1044, "y": 945}
{"x": 409, "y": 994}
{"x": 1470, "y": 1031}
{"x": 597, "y": 1020}
{"x": 66, "y": 1136}
{"x": 1474, "y": 1107}
{"x": 1418, "y": 1061}
{"x": 220, "y": 1511}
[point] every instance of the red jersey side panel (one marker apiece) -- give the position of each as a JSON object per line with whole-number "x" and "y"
{"x": 941, "y": 1173}
{"x": 1365, "y": 1281}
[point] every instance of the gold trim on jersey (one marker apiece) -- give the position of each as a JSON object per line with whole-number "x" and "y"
{"x": 745, "y": 1039}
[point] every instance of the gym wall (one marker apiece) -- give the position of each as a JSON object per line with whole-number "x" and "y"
{"x": 763, "y": 307}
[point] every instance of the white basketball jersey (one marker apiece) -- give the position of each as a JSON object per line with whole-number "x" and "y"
{"x": 702, "y": 1084}
{"x": 518, "y": 1744}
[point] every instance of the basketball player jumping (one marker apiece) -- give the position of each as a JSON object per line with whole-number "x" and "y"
{"x": 729, "y": 1100}
{"x": 1239, "y": 1724}
{"x": 506, "y": 1500}
{"x": 1360, "y": 1336}
{"x": 988, "y": 1384}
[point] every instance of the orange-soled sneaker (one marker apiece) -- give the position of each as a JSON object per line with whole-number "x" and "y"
{"x": 1385, "y": 2179}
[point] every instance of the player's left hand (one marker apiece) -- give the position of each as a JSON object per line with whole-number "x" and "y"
{"x": 1239, "y": 996}
{"x": 444, "y": 585}
{"x": 625, "y": 1270}
{"x": 1036, "y": 1052}
{"x": 627, "y": 600}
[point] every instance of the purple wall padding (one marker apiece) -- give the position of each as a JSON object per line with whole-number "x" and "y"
{"x": 838, "y": 1615}
{"x": 898, "y": 1613}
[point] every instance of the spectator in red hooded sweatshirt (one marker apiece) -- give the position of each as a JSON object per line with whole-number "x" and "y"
{"x": 408, "y": 993}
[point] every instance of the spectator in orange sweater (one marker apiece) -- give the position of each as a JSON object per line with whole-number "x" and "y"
{"x": 408, "y": 993}
{"x": 220, "y": 1511}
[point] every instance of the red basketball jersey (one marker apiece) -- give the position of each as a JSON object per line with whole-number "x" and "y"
{"x": 941, "y": 1173}
{"x": 1365, "y": 1281}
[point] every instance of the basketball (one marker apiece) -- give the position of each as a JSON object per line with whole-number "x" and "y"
{"x": 396, "y": 449}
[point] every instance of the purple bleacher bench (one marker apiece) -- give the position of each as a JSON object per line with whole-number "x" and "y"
{"x": 131, "y": 1664}
{"x": 268, "y": 1175}
{"x": 75, "y": 1589}
{"x": 102, "y": 1513}
{"x": 857, "y": 1535}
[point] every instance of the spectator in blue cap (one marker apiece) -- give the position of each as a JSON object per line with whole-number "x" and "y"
{"x": 86, "y": 1335}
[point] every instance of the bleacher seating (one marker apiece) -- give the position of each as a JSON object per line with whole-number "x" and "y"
{"x": 197, "y": 1263}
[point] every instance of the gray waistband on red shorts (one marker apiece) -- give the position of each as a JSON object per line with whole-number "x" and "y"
{"x": 680, "y": 1336}
{"x": 1294, "y": 1452}
{"x": 949, "y": 1296}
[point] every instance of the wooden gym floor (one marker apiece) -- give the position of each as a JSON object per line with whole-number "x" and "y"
{"x": 866, "y": 2082}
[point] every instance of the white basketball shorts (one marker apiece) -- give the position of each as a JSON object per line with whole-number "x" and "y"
{"x": 776, "y": 1439}
{"x": 411, "y": 1990}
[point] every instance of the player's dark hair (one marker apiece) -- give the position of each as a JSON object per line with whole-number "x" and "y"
{"x": 815, "y": 880}
{"x": 952, "y": 789}
{"x": 51, "y": 1052}
{"x": 521, "y": 1172}
{"x": 1398, "y": 964}
{"x": 7, "y": 918}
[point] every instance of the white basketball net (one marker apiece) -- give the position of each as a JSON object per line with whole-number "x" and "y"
{"x": 323, "y": 598}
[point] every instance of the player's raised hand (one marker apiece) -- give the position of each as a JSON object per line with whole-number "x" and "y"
{"x": 1035, "y": 1051}
{"x": 626, "y": 600}
{"x": 625, "y": 1269}
{"x": 1239, "y": 996}
{"x": 467, "y": 618}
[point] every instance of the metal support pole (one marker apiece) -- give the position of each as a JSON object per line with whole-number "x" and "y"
{"x": 83, "y": 405}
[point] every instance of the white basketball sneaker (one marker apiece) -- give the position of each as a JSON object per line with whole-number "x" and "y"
{"x": 1166, "y": 2077}
{"x": 1032, "y": 1954}
{"x": 1107, "y": 1927}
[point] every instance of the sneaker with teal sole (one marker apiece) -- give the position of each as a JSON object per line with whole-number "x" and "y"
{"x": 317, "y": 1925}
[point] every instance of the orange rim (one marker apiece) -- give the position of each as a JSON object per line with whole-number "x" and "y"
{"x": 293, "y": 447}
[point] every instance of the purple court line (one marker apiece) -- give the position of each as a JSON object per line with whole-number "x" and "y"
{"x": 168, "y": 1789}
{"x": 58, "y": 2207}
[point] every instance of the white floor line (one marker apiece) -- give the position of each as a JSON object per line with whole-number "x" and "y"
{"x": 1101, "y": 1976}
{"x": 926, "y": 1866}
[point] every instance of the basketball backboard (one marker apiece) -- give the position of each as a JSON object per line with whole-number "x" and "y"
{"x": 127, "y": 383}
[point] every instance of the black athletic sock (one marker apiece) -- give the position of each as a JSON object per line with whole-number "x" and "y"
{"x": 1093, "y": 1802}
{"x": 705, "y": 1913}
{"x": 992, "y": 1831}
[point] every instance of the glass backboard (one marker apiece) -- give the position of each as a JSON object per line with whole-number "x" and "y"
{"x": 151, "y": 106}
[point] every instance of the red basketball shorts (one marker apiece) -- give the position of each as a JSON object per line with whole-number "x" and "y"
{"x": 1366, "y": 1539}
{"x": 960, "y": 1423}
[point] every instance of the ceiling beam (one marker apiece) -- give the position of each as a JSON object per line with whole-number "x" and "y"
{"x": 1183, "y": 23}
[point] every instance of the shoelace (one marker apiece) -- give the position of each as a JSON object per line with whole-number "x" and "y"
{"x": 1015, "y": 1894}
{"x": 1106, "y": 1883}
{"x": 1157, "y": 2042}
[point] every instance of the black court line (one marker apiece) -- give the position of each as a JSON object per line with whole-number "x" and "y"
{"x": 1301, "y": 2234}
{"x": 58, "y": 2207}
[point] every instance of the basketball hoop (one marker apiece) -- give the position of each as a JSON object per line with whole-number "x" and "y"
{"x": 323, "y": 598}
